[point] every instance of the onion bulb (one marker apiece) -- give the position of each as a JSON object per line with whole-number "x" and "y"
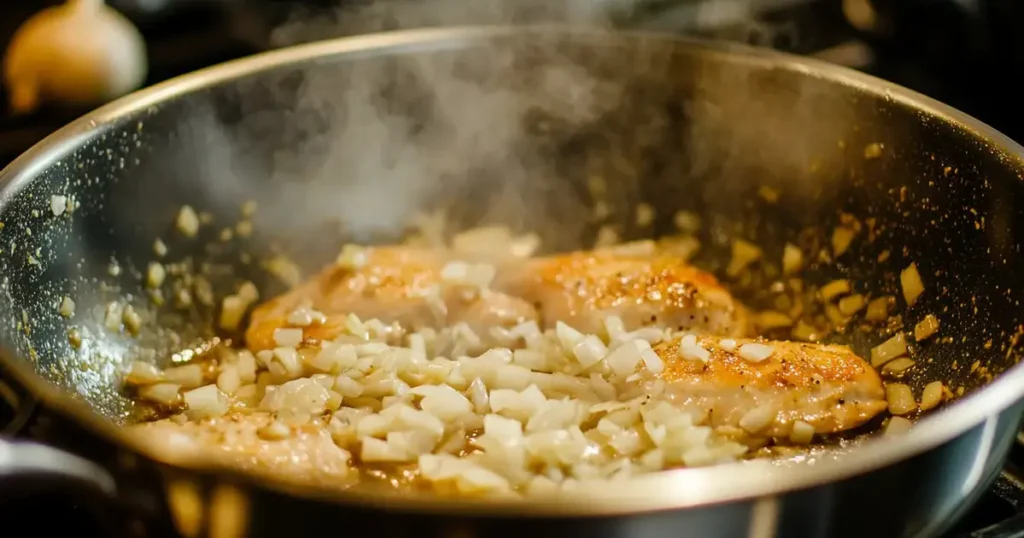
{"x": 81, "y": 53}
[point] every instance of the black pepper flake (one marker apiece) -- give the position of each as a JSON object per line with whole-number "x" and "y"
{"x": 842, "y": 401}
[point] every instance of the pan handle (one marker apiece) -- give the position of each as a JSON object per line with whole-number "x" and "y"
{"x": 35, "y": 464}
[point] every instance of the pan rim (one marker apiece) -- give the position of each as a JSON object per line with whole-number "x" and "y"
{"x": 685, "y": 488}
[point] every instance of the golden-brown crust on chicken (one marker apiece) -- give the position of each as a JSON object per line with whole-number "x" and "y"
{"x": 583, "y": 288}
{"x": 394, "y": 285}
{"x": 304, "y": 453}
{"x": 826, "y": 386}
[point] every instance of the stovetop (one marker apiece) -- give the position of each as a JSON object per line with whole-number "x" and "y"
{"x": 962, "y": 52}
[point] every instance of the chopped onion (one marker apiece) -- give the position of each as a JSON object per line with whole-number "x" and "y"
{"x": 188, "y": 376}
{"x": 112, "y": 316}
{"x": 898, "y": 426}
{"x": 348, "y": 387}
{"x": 651, "y": 360}
{"x": 687, "y": 221}
{"x": 287, "y": 337}
{"x": 131, "y": 319}
{"x": 900, "y": 398}
{"x": 58, "y": 204}
{"x": 892, "y": 348}
{"x": 187, "y": 221}
{"x": 159, "y": 248}
{"x": 852, "y": 304}
{"x": 802, "y": 433}
{"x": 376, "y": 450}
{"x": 926, "y": 328}
{"x": 792, "y": 259}
{"x": 873, "y": 150}
{"x": 287, "y": 271}
{"x": 589, "y": 351}
{"x": 67, "y": 307}
{"x": 205, "y": 402}
{"x": 443, "y": 402}
{"x": 842, "y": 236}
{"x": 757, "y": 419}
{"x": 232, "y": 311}
{"x": 568, "y": 336}
{"x": 683, "y": 247}
{"x": 805, "y": 332}
{"x": 743, "y": 254}
{"x": 769, "y": 320}
{"x": 834, "y": 289}
{"x": 483, "y": 413}
{"x": 352, "y": 257}
{"x": 335, "y": 357}
{"x": 161, "y": 393}
{"x": 305, "y": 316}
{"x": 228, "y": 381}
{"x": 897, "y": 366}
{"x": 155, "y": 275}
{"x": 624, "y": 359}
{"x": 690, "y": 349}
{"x": 288, "y": 358}
{"x": 144, "y": 373}
{"x": 912, "y": 285}
{"x": 275, "y": 431}
{"x": 297, "y": 400}
{"x": 754, "y": 352}
{"x": 878, "y": 309}
{"x": 932, "y": 395}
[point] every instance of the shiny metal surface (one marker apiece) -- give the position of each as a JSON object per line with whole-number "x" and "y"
{"x": 745, "y": 118}
{"x": 28, "y": 463}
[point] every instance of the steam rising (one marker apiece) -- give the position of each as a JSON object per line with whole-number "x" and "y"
{"x": 371, "y": 143}
{"x": 363, "y": 145}
{"x": 386, "y": 15}
{"x": 512, "y": 130}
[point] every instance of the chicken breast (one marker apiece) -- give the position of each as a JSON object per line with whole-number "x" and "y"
{"x": 248, "y": 440}
{"x": 826, "y": 386}
{"x": 583, "y": 288}
{"x": 395, "y": 284}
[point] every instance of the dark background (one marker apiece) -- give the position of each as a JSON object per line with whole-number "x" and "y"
{"x": 966, "y": 53}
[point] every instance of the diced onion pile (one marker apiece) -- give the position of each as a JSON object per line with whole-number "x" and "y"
{"x": 519, "y": 410}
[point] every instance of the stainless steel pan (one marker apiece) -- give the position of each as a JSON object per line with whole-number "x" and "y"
{"x": 345, "y": 139}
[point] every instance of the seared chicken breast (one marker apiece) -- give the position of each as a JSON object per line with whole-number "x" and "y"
{"x": 583, "y": 288}
{"x": 393, "y": 284}
{"x": 765, "y": 387}
{"x": 257, "y": 442}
